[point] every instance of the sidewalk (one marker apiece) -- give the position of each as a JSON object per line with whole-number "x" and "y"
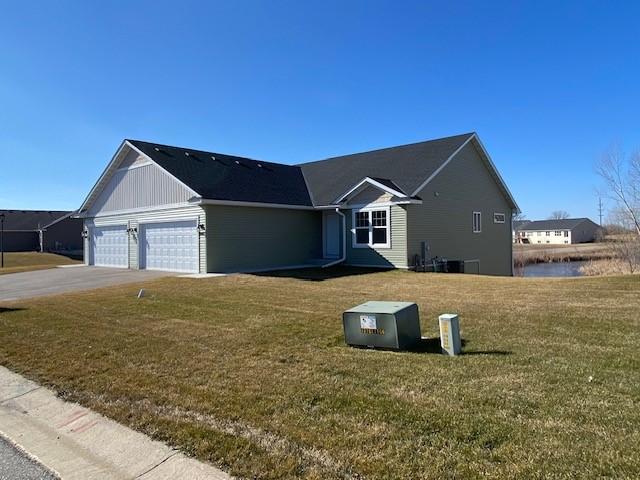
{"x": 77, "y": 443}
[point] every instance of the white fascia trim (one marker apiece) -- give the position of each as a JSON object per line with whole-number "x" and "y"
{"x": 328, "y": 207}
{"x": 497, "y": 173}
{"x": 109, "y": 166}
{"x": 195, "y": 194}
{"x": 362, "y": 206}
{"x": 232, "y": 203}
{"x": 64, "y": 217}
{"x": 160, "y": 208}
{"x": 373, "y": 182}
{"x": 441, "y": 167}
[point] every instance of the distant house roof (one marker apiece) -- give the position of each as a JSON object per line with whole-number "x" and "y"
{"x": 563, "y": 224}
{"x": 31, "y": 220}
{"x": 216, "y": 176}
{"x": 518, "y": 224}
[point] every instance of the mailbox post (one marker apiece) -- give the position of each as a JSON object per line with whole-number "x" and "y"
{"x": 450, "y": 334}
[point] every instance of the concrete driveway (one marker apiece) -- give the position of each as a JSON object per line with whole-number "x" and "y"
{"x": 14, "y": 286}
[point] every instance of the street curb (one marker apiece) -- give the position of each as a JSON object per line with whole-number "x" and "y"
{"x": 77, "y": 443}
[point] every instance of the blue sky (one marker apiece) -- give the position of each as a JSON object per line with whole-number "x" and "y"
{"x": 547, "y": 85}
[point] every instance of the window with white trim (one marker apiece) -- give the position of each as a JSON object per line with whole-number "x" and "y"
{"x": 371, "y": 228}
{"x": 477, "y": 222}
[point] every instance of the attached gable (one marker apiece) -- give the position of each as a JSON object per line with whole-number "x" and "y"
{"x": 139, "y": 183}
{"x": 368, "y": 195}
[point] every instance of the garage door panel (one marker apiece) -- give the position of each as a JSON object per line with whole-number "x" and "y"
{"x": 110, "y": 246}
{"x": 171, "y": 246}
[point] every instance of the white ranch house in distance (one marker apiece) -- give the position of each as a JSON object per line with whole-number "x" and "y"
{"x": 557, "y": 232}
{"x": 179, "y": 209}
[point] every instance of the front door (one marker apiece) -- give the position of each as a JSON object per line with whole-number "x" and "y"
{"x": 332, "y": 235}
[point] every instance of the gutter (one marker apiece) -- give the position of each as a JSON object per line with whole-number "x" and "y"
{"x": 344, "y": 242}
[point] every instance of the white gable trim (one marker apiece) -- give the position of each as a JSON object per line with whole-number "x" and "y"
{"x": 374, "y": 183}
{"x": 112, "y": 168}
{"x": 497, "y": 173}
{"x": 489, "y": 163}
{"x": 441, "y": 167}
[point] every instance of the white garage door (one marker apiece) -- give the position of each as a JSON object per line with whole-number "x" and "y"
{"x": 171, "y": 246}
{"x": 110, "y": 246}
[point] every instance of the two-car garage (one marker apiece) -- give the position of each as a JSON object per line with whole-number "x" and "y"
{"x": 170, "y": 246}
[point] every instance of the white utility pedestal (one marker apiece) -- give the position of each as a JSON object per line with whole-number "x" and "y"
{"x": 450, "y": 334}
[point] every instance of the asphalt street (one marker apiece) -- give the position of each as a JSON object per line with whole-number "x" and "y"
{"x": 15, "y": 465}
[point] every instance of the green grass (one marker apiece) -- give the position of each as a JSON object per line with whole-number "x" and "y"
{"x": 15, "y": 262}
{"x": 251, "y": 373}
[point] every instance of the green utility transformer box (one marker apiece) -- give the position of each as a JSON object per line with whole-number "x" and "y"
{"x": 393, "y": 325}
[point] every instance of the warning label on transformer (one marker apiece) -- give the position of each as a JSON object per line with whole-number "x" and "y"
{"x": 368, "y": 322}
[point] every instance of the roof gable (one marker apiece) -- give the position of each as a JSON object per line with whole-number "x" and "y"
{"x": 406, "y": 166}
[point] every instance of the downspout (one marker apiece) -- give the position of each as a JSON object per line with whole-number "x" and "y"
{"x": 344, "y": 241}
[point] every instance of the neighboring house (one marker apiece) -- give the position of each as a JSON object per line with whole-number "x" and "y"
{"x": 516, "y": 233}
{"x": 42, "y": 231}
{"x": 179, "y": 209}
{"x": 566, "y": 231}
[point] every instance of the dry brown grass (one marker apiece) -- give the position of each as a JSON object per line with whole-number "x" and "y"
{"x": 251, "y": 373}
{"x": 607, "y": 267}
{"x": 15, "y": 262}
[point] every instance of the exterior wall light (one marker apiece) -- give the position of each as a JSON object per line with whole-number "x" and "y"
{"x": 85, "y": 234}
{"x": 201, "y": 229}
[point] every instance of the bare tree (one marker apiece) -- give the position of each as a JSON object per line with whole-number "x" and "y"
{"x": 559, "y": 215}
{"x": 518, "y": 217}
{"x": 621, "y": 176}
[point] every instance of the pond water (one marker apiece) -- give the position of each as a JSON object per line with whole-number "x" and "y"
{"x": 561, "y": 269}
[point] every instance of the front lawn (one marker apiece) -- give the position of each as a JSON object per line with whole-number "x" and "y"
{"x": 251, "y": 373}
{"x": 26, "y": 261}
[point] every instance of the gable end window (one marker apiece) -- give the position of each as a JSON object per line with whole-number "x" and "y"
{"x": 498, "y": 217}
{"x": 477, "y": 222}
{"x": 371, "y": 228}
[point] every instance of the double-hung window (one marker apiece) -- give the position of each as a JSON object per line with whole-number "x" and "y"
{"x": 371, "y": 228}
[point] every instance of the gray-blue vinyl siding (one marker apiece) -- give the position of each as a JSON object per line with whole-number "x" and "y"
{"x": 445, "y": 218}
{"x": 256, "y": 238}
{"x": 139, "y": 186}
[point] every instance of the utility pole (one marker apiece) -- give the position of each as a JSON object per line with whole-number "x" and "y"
{"x": 600, "y": 209}
{"x": 1, "y": 240}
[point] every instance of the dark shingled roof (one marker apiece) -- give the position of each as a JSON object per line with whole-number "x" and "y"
{"x": 30, "y": 220}
{"x": 563, "y": 224}
{"x": 406, "y": 166}
{"x": 518, "y": 224}
{"x": 216, "y": 176}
